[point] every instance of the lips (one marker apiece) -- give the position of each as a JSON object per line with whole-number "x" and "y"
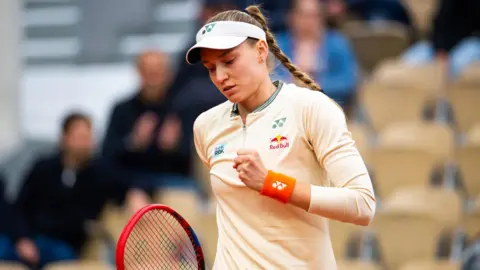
{"x": 225, "y": 89}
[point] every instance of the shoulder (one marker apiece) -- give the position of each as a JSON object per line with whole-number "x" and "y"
{"x": 308, "y": 102}
{"x": 213, "y": 117}
{"x": 282, "y": 38}
{"x": 336, "y": 37}
{"x": 123, "y": 103}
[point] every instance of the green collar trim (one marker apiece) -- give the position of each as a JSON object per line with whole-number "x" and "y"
{"x": 278, "y": 85}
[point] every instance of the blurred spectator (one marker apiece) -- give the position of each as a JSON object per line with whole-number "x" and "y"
{"x": 455, "y": 37}
{"x": 145, "y": 135}
{"x": 5, "y": 224}
{"x": 323, "y": 53}
{"x": 59, "y": 196}
{"x": 380, "y": 10}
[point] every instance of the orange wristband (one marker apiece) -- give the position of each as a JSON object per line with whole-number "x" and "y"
{"x": 278, "y": 186}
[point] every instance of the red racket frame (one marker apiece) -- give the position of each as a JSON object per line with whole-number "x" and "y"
{"x": 122, "y": 241}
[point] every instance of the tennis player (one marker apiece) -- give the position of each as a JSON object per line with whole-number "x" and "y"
{"x": 281, "y": 159}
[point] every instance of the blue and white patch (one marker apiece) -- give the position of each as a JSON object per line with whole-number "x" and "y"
{"x": 219, "y": 150}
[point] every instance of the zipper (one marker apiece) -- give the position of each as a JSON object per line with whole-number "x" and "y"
{"x": 244, "y": 131}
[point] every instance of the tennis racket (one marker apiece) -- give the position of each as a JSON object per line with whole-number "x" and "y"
{"x": 157, "y": 237}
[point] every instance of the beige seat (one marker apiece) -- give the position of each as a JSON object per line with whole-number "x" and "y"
{"x": 470, "y": 77}
{"x": 114, "y": 220}
{"x": 11, "y": 266}
{"x": 471, "y": 221}
{"x": 357, "y": 265}
{"x": 473, "y": 135}
{"x": 341, "y": 234}
{"x": 422, "y": 13}
{"x": 397, "y": 168}
{"x": 208, "y": 234}
{"x": 385, "y": 106}
{"x": 405, "y": 236}
{"x": 437, "y": 139}
{"x": 468, "y": 162}
{"x": 432, "y": 265}
{"x": 185, "y": 202}
{"x": 464, "y": 102}
{"x": 445, "y": 205}
{"x": 360, "y": 135}
{"x": 429, "y": 78}
{"x": 389, "y": 41}
{"x": 92, "y": 265}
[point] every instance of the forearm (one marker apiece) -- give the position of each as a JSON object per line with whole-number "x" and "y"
{"x": 347, "y": 204}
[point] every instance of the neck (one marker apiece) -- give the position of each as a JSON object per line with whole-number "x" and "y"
{"x": 70, "y": 161}
{"x": 263, "y": 93}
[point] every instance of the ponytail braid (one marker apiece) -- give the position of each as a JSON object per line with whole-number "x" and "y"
{"x": 255, "y": 12}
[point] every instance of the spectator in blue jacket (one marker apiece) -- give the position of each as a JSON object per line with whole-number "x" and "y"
{"x": 323, "y": 53}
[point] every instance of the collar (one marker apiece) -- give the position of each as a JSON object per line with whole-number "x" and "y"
{"x": 278, "y": 85}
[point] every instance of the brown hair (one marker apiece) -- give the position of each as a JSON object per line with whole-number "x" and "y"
{"x": 256, "y": 17}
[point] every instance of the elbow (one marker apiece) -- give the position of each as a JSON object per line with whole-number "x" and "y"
{"x": 365, "y": 217}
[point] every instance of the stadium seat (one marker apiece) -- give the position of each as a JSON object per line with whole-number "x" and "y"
{"x": 208, "y": 234}
{"x": 464, "y": 102}
{"x": 385, "y": 106}
{"x": 429, "y": 78}
{"x": 114, "y": 220}
{"x": 470, "y": 77}
{"x": 92, "y": 265}
{"x": 184, "y": 201}
{"x": 405, "y": 235}
{"x": 360, "y": 135}
{"x": 431, "y": 265}
{"x": 357, "y": 265}
{"x": 471, "y": 221}
{"x": 445, "y": 205}
{"x": 11, "y": 266}
{"x": 341, "y": 234}
{"x": 397, "y": 168}
{"x": 468, "y": 160}
{"x": 389, "y": 40}
{"x": 473, "y": 135}
{"x": 435, "y": 138}
{"x": 421, "y": 13}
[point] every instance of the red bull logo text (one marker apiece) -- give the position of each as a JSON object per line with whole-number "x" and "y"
{"x": 279, "y": 142}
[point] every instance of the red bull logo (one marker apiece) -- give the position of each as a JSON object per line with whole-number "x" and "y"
{"x": 279, "y": 142}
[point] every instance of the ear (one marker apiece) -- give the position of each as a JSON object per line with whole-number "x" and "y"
{"x": 262, "y": 50}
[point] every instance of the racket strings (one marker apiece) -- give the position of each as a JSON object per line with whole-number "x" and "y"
{"x": 158, "y": 241}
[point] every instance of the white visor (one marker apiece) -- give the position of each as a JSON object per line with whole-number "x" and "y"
{"x": 223, "y": 35}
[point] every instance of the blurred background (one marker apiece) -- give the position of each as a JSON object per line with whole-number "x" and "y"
{"x": 97, "y": 106}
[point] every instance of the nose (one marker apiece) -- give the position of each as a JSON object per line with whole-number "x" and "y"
{"x": 221, "y": 74}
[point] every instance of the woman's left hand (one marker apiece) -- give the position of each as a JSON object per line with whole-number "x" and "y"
{"x": 250, "y": 169}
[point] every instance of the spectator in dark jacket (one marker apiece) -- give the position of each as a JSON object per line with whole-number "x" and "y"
{"x": 59, "y": 195}
{"x": 5, "y": 223}
{"x": 148, "y": 135}
{"x": 455, "y": 37}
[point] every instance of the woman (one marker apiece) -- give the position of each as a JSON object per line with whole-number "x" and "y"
{"x": 281, "y": 159}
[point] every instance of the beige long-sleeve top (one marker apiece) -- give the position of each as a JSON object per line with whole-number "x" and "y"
{"x": 300, "y": 133}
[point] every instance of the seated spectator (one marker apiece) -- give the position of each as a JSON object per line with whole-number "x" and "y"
{"x": 5, "y": 224}
{"x": 455, "y": 37}
{"x": 144, "y": 134}
{"x": 60, "y": 194}
{"x": 380, "y": 10}
{"x": 323, "y": 53}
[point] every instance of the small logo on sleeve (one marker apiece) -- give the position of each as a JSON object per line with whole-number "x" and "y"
{"x": 219, "y": 150}
{"x": 279, "y": 142}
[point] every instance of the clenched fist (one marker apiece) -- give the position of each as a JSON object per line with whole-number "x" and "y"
{"x": 250, "y": 168}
